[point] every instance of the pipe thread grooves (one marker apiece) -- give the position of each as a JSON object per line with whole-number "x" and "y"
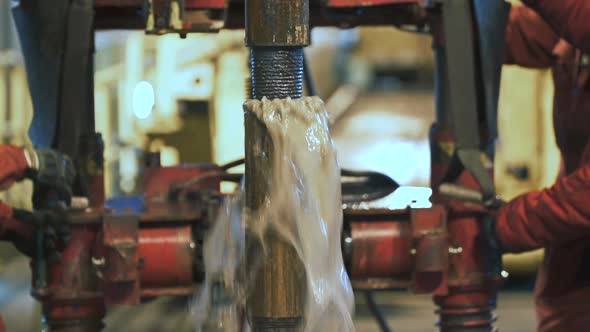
{"x": 277, "y": 72}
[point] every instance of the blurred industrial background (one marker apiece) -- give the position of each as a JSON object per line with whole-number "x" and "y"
{"x": 183, "y": 98}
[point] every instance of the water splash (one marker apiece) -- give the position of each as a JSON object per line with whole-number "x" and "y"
{"x": 303, "y": 206}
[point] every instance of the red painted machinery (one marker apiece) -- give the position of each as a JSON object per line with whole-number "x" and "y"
{"x": 213, "y": 15}
{"x": 121, "y": 257}
{"x": 118, "y": 257}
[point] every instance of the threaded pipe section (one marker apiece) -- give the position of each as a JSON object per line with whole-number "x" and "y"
{"x": 89, "y": 325}
{"x": 466, "y": 319}
{"x": 277, "y": 72}
{"x": 277, "y": 324}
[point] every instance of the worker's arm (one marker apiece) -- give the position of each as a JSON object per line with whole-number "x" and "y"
{"x": 557, "y": 215}
{"x": 568, "y": 18}
{"x": 14, "y": 163}
{"x": 530, "y": 41}
{"x": 45, "y": 167}
{"x": 18, "y": 226}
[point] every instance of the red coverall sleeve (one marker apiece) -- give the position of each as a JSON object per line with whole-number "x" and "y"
{"x": 529, "y": 39}
{"x": 13, "y": 165}
{"x": 568, "y": 18}
{"x": 557, "y": 215}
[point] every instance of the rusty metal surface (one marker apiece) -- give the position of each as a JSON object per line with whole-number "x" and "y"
{"x": 72, "y": 297}
{"x": 210, "y": 16}
{"x": 277, "y": 23}
{"x": 431, "y": 250}
{"x": 280, "y": 286}
{"x": 320, "y": 16}
{"x": 88, "y": 216}
{"x": 120, "y": 272}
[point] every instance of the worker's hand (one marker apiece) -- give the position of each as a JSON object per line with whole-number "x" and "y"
{"x": 52, "y": 170}
{"x": 55, "y": 230}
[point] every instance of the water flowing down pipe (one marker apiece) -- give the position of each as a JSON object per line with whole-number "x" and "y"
{"x": 276, "y": 31}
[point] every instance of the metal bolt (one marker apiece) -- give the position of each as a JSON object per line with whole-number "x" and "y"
{"x": 455, "y": 250}
{"x": 98, "y": 262}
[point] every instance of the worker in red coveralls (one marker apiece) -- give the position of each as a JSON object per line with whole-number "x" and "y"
{"x": 558, "y": 218}
{"x": 46, "y": 168}
{"x": 567, "y": 18}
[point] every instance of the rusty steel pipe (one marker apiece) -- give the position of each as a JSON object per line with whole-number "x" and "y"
{"x": 277, "y": 23}
{"x": 277, "y": 299}
{"x": 276, "y": 31}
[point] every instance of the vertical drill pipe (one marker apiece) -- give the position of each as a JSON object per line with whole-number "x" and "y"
{"x": 272, "y": 23}
{"x": 278, "y": 291}
{"x": 276, "y": 31}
